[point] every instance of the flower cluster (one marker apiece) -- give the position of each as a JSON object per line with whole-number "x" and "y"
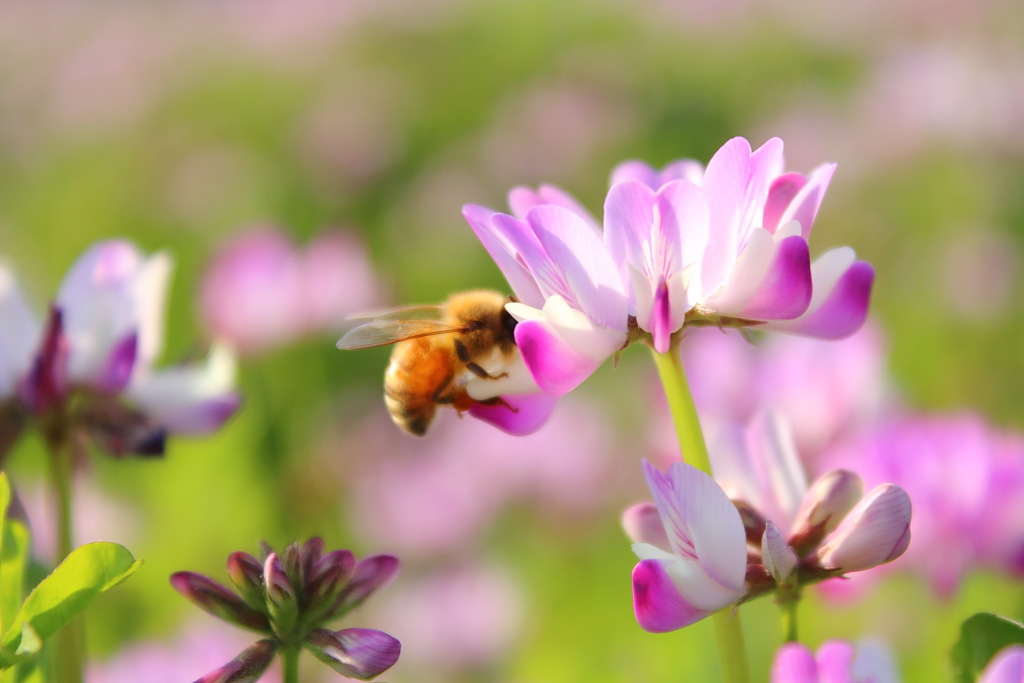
{"x": 289, "y": 598}
{"x": 725, "y": 245}
{"x": 87, "y": 370}
{"x": 704, "y": 545}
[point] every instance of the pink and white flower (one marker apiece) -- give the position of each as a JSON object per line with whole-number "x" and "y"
{"x": 728, "y": 244}
{"x": 100, "y": 342}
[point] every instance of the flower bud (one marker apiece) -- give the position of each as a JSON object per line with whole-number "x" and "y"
{"x": 876, "y": 531}
{"x": 312, "y": 551}
{"x": 327, "y": 579}
{"x": 46, "y": 384}
{"x": 291, "y": 562}
{"x": 247, "y": 666}
{"x": 214, "y": 598}
{"x": 360, "y": 653}
{"x": 824, "y": 506}
{"x": 281, "y": 599}
{"x": 754, "y": 523}
{"x": 247, "y": 575}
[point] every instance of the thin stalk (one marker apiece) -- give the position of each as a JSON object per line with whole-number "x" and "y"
{"x": 789, "y": 621}
{"x": 290, "y": 663}
{"x": 732, "y": 652}
{"x": 69, "y": 642}
{"x": 684, "y": 412}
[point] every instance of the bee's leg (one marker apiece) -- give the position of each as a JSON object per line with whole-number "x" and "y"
{"x": 463, "y": 354}
{"x": 499, "y": 401}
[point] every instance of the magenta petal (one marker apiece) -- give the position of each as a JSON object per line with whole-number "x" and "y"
{"x": 786, "y": 290}
{"x": 657, "y": 604}
{"x": 247, "y": 666}
{"x": 117, "y": 371}
{"x": 660, "y": 323}
{"x": 835, "y": 661}
{"x": 794, "y": 663}
{"x": 46, "y": 384}
{"x": 845, "y": 309}
{"x": 556, "y": 367}
{"x": 371, "y": 574}
{"x": 780, "y": 195}
{"x": 1006, "y": 667}
{"x": 360, "y": 653}
{"x": 518, "y": 415}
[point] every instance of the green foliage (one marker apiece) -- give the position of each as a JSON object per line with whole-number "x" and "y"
{"x": 981, "y": 637}
{"x": 84, "y": 575}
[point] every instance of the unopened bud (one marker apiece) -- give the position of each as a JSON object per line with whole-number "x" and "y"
{"x": 370, "y": 574}
{"x": 824, "y": 507}
{"x": 247, "y": 575}
{"x": 876, "y": 531}
{"x": 359, "y": 653}
{"x": 212, "y": 597}
{"x": 643, "y": 524}
{"x": 282, "y": 603}
{"x": 779, "y": 558}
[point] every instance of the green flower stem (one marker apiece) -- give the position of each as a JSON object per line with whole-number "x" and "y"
{"x": 290, "y": 663}
{"x": 684, "y": 412}
{"x": 789, "y": 630}
{"x": 69, "y": 642}
{"x": 732, "y": 653}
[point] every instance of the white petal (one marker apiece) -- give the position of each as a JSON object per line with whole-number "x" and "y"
{"x": 19, "y": 332}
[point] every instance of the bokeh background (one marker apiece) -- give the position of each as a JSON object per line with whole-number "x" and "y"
{"x": 348, "y": 135}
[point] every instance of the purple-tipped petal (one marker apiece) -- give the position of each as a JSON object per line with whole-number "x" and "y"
{"x": 1006, "y": 667}
{"x": 246, "y": 667}
{"x": 117, "y": 371}
{"x": 212, "y": 597}
{"x": 371, "y": 574}
{"x": 785, "y": 291}
{"x": 781, "y": 194}
{"x": 804, "y": 207}
{"x": 517, "y": 415}
{"x": 556, "y": 367}
{"x": 359, "y": 653}
{"x": 876, "y": 531}
{"x": 502, "y": 249}
{"x": 246, "y": 573}
{"x": 643, "y": 524}
{"x": 657, "y": 603}
{"x": 842, "y": 292}
{"x": 329, "y": 575}
{"x": 628, "y": 220}
{"x": 794, "y": 663}
{"x": 46, "y": 384}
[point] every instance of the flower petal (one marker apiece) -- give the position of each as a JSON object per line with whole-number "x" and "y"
{"x": 794, "y": 663}
{"x": 657, "y": 603}
{"x": 517, "y": 415}
{"x": 842, "y": 291}
{"x": 564, "y": 347}
{"x": 701, "y": 523}
{"x": 643, "y": 524}
{"x": 189, "y": 399}
{"x": 504, "y": 253}
{"x": 522, "y": 199}
{"x": 371, "y": 574}
{"x": 804, "y": 207}
{"x": 247, "y": 667}
{"x": 359, "y": 653}
{"x": 577, "y": 251}
{"x": 835, "y": 661}
{"x": 20, "y": 333}
{"x": 1006, "y": 667}
{"x": 781, "y": 194}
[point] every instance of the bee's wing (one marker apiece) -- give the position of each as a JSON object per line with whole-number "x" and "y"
{"x": 402, "y": 313}
{"x": 381, "y": 332}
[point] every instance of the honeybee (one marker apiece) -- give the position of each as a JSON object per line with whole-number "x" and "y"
{"x": 436, "y": 347}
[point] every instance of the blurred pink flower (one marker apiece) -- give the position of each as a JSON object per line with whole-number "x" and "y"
{"x": 836, "y": 660}
{"x": 483, "y": 611}
{"x": 260, "y": 291}
{"x": 93, "y": 361}
{"x": 966, "y": 481}
{"x": 197, "y": 648}
{"x": 823, "y": 389}
{"x": 436, "y": 496}
{"x": 1006, "y": 667}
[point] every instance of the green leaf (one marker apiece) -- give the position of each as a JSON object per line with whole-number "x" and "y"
{"x": 981, "y": 637}
{"x": 83, "y": 575}
{"x": 13, "y": 564}
{"x": 5, "y": 499}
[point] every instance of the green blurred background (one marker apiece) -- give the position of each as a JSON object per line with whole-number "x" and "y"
{"x": 179, "y": 124}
